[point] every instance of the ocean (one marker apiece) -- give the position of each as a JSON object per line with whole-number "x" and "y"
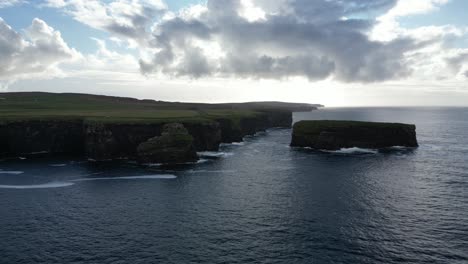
{"x": 259, "y": 201}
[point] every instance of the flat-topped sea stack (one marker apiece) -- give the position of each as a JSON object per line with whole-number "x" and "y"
{"x": 335, "y": 135}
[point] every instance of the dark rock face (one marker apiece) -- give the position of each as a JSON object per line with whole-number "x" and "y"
{"x": 230, "y": 130}
{"x": 106, "y": 141}
{"x": 279, "y": 119}
{"x": 23, "y": 138}
{"x": 174, "y": 146}
{"x": 206, "y": 136}
{"x": 235, "y": 130}
{"x": 114, "y": 141}
{"x": 334, "y": 135}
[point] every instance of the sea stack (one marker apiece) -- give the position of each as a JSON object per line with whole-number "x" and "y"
{"x": 174, "y": 146}
{"x": 335, "y": 135}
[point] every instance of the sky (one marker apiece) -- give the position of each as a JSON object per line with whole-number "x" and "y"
{"x": 333, "y": 52}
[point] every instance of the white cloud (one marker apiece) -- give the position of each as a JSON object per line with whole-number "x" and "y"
{"x": 274, "y": 39}
{"x": 8, "y": 3}
{"x": 389, "y": 28}
{"x": 437, "y": 61}
{"x": 413, "y": 7}
{"x": 126, "y": 19}
{"x": 34, "y": 54}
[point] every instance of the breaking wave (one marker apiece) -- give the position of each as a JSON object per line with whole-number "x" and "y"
{"x": 353, "y": 151}
{"x": 39, "y": 186}
{"x": 214, "y": 154}
{"x": 143, "y": 177}
{"x": 11, "y": 172}
{"x": 232, "y": 144}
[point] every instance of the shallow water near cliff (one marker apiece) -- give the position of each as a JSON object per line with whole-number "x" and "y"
{"x": 257, "y": 202}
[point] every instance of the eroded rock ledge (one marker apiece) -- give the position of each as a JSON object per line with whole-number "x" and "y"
{"x": 335, "y": 135}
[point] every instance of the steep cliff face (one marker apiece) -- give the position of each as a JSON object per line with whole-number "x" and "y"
{"x": 277, "y": 118}
{"x": 4, "y": 146}
{"x": 113, "y": 141}
{"x": 334, "y": 135}
{"x": 206, "y": 136}
{"x": 233, "y": 130}
{"x": 230, "y": 130}
{"x": 105, "y": 141}
{"x": 36, "y": 136}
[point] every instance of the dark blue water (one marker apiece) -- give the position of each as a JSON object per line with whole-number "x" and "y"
{"x": 260, "y": 202}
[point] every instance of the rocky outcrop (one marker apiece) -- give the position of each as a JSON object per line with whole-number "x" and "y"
{"x": 174, "y": 146}
{"x": 334, "y": 135}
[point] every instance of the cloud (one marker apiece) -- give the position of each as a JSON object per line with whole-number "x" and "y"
{"x": 9, "y": 3}
{"x": 35, "y": 53}
{"x": 282, "y": 39}
{"x": 312, "y": 39}
{"x": 458, "y": 62}
{"x": 388, "y": 27}
{"x": 126, "y": 19}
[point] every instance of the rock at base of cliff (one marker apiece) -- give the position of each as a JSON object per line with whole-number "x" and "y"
{"x": 335, "y": 135}
{"x": 174, "y": 146}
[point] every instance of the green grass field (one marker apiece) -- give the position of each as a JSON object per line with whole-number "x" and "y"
{"x": 45, "y": 106}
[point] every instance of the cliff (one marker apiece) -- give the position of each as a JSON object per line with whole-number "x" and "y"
{"x": 35, "y": 136}
{"x": 334, "y": 135}
{"x": 105, "y": 128}
{"x": 105, "y": 141}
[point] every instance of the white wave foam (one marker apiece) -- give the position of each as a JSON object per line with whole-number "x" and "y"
{"x": 143, "y": 177}
{"x": 200, "y": 161}
{"x": 11, "y": 172}
{"x": 398, "y": 148}
{"x": 38, "y": 186}
{"x": 353, "y": 151}
{"x": 214, "y": 154}
{"x": 224, "y": 145}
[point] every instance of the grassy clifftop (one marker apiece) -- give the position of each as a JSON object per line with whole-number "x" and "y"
{"x": 35, "y": 105}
